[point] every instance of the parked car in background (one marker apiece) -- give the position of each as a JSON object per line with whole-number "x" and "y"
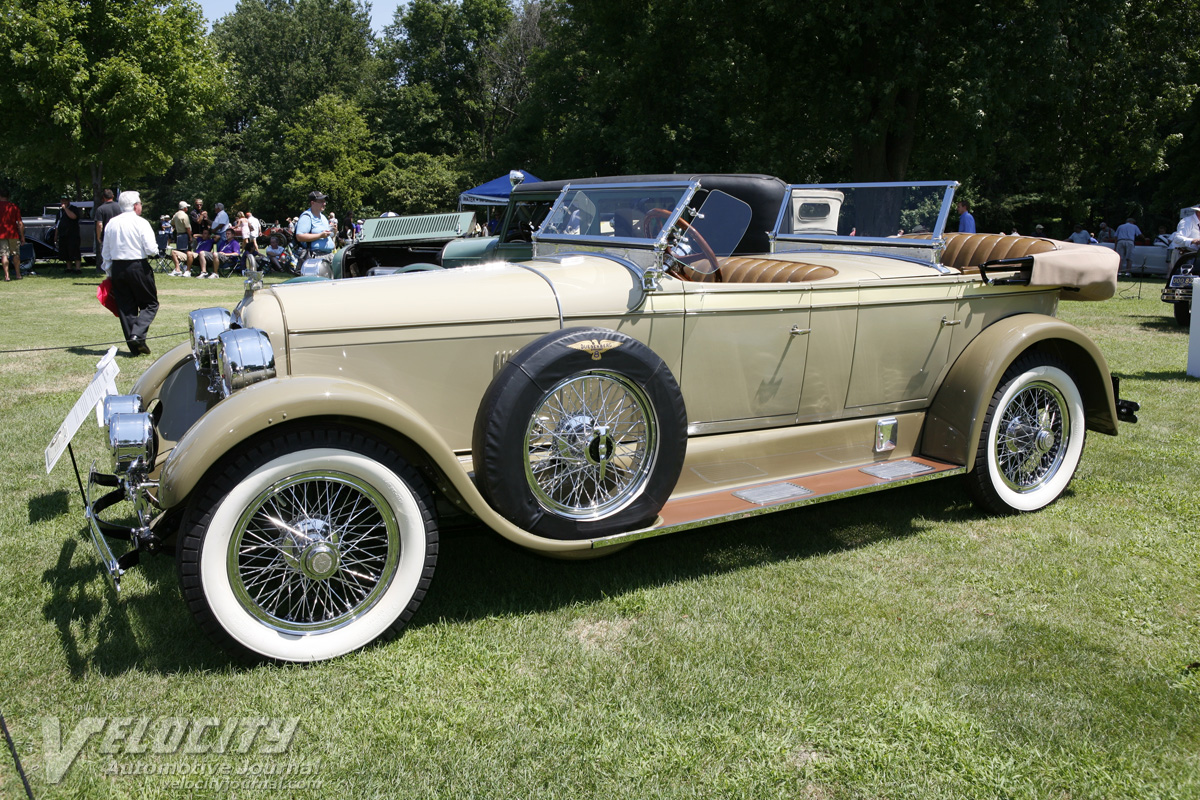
{"x": 1182, "y": 272}
{"x": 1147, "y": 259}
{"x": 40, "y": 231}
{"x": 678, "y": 351}
{"x": 432, "y": 241}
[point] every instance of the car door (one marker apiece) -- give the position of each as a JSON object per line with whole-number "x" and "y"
{"x": 744, "y": 353}
{"x": 902, "y": 342}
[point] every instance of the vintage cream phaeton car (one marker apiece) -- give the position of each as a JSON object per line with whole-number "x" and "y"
{"x": 681, "y": 350}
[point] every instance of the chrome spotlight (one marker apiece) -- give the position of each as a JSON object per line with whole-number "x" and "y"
{"x": 244, "y": 356}
{"x": 205, "y": 325}
{"x": 120, "y": 404}
{"x": 131, "y": 440}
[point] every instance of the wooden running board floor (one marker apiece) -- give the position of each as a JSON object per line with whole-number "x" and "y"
{"x": 725, "y": 505}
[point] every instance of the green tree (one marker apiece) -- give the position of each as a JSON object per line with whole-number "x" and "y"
{"x": 442, "y": 57}
{"x": 104, "y": 90}
{"x": 330, "y": 150}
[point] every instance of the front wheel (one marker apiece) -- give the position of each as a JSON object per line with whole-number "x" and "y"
{"x": 310, "y": 545}
{"x": 1183, "y": 314}
{"x": 1032, "y": 438}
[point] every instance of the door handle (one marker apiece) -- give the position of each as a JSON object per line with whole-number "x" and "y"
{"x": 798, "y": 331}
{"x": 948, "y": 323}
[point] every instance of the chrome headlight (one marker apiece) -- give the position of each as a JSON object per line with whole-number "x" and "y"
{"x": 244, "y": 356}
{"x": 205, "y": 325}
{"x": 131, "y": 439}
{"x": 120, "y": 404}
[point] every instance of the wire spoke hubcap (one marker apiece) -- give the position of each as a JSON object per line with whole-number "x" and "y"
{"x": 313, "y": 552}
{"x": 1031, "y": 437}
{"x": 590, "y": 445}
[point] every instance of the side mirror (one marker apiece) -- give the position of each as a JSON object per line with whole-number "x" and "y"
{"x": 516, "y": 177}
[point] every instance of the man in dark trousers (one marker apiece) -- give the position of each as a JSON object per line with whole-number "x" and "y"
{"x": 128, "y": 242}
{"x": 66, "y": 236}
{"x": 103, "y": 215}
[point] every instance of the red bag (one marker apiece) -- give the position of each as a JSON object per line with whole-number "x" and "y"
{"x": 104, "y": 295}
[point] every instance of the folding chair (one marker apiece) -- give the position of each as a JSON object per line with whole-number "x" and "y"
{"x": 27, "y": 257}
{"x": 162, "y": 261}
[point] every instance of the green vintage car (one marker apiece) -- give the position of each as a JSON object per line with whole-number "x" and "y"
{"x": 454, "y": 239}
{"x": 679, "y": 351}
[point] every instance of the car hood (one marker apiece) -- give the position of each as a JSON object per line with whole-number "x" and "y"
{"x": 476, "y": 294}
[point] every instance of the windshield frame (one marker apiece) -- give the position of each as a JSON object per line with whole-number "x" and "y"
{"x": 657, "y": 244}
{"x": 933, "y": 244}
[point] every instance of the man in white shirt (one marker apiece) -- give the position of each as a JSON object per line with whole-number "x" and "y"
{"x": 220, "y": 221}
{"x": 253, "y": 231}
{"x": 1187, "y": 234}
{"x": 128, "y": 242}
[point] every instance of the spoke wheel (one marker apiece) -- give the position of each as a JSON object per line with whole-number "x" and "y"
{"x": 313, "y": 552}
{"x": 1032, "y": 438}
{"x": 590, "y": 445}
{"x": 309, "y": 545}
{"x": 1029, "y": 437}
{"x": 581, "y": 435}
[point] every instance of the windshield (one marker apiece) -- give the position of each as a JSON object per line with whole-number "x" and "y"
{"x": 866, "y": 211}
{"x": 621, "y": 212}
{"x": 690, "y": 223}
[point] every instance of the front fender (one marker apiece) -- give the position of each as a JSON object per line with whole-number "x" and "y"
{"x": 283, "y": 401}
{"x": 476, "y": 250}
{"x": 955, "y": 419}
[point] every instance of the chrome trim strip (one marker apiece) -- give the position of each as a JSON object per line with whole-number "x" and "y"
{"x": 646, "y": 533}
{"x": 553, "y": 290}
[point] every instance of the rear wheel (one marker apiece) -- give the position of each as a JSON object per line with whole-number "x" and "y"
{"x": 1032, "y": 438}
{"x": 311, "y": 545}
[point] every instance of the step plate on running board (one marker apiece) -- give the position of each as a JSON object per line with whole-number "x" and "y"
{"x": 786, "y": 492}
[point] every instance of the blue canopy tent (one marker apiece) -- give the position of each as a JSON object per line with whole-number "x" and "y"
{"x": 495, "y": 192}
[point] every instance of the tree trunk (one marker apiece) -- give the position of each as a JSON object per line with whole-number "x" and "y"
{"x": 883, "y": 154}
{"x": 97, "y": 169}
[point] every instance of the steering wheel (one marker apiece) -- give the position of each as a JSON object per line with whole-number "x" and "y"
{"x": 664, "y": 214}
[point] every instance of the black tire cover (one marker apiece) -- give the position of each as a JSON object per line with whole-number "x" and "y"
{"x": 498, "y": 437}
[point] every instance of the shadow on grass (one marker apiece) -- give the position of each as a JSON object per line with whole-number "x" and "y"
{"x": 49, "y": 506}
{"x": 481, "y": 575}
{"x": 1172, "y": 376}
{"x": 146, "y": 629}
{"x": 1163, "y": 324}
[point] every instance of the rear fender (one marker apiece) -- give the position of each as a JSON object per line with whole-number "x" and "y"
{"x": 955, "y": 419}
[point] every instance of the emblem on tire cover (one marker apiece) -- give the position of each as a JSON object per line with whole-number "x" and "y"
{"x": 597, "y": 347}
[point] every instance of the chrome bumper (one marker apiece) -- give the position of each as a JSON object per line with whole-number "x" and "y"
{"x": 139, "y": 536}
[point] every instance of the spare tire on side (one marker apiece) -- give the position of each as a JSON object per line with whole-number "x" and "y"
{"x": 581, "y": 434}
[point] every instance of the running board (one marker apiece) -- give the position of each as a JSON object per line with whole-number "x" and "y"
{"x": 744, "y": 502}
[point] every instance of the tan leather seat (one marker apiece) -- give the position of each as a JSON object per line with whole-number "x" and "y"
{"x": 753, "y": 269}
{"x": 966, "y": 251}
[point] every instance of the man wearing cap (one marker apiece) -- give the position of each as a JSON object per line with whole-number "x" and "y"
{"x": 1125, "y": 235}
{"x": 312, "y": 226}
{"x": 1187, "y": 233}
{"x": 128, "y": 242}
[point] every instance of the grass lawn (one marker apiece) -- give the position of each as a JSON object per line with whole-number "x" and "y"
{"x": 898, "y": 645}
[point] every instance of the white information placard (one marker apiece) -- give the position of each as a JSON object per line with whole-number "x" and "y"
{"x": 104, "y": 383}
{"x": 1193, "y": 365}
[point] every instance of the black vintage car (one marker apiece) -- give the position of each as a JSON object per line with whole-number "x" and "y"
{"x": 40, "y": 231}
